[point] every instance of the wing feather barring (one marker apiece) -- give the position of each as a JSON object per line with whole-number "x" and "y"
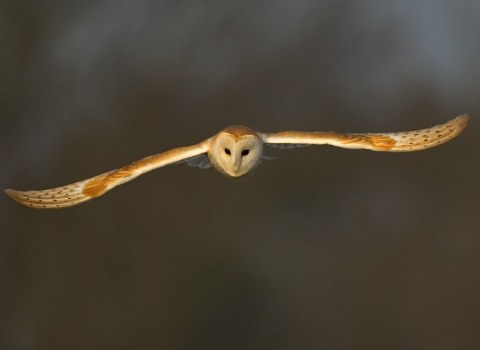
{"x": 234, "y": 152}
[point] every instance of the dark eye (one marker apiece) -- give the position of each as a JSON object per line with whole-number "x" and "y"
{"x": 245, "y": 152}
{"x": 227, "y": 151}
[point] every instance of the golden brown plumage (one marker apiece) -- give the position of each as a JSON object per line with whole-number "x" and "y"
{"x": 235, "y": 151}
{"x": 392, "y": 142}
{"x": 82, "y": 191}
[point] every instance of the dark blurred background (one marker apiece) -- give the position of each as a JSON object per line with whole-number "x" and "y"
{"x": 323, "y": 248}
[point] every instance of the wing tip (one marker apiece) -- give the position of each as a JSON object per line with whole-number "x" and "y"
{"x": 463, "y": 120}
{"x": 45, "y": 205}
{"x": 11, "y": 193}
{"x": 14, "y": 195}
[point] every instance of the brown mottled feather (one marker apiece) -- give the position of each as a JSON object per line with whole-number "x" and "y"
{"x": 390, "y": 142}
{"x": 82, "y": 191}
{"x": 431, "y": 137}
{"x": 59, "y": 197}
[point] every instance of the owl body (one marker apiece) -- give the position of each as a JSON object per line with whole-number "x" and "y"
{"x": 235, "y": 152}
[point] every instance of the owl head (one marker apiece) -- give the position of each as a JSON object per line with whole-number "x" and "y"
{"x": 235, "y": 151}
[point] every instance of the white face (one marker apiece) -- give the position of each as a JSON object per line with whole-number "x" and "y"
{"x": 236, "y": 158}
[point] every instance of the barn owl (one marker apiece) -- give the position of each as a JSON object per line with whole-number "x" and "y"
{"x": 235, "y": 152}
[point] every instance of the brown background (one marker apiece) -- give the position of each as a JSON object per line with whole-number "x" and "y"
{"x": 324, "y": 248}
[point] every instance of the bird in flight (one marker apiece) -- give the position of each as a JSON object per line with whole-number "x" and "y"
{"x": 234, "y": 152}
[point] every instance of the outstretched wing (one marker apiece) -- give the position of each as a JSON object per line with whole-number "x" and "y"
{"x": 82, "y": 191}
{"x": 390, "y": 142}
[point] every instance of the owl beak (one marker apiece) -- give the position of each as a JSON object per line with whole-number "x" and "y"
{"x": 236, "y": 159}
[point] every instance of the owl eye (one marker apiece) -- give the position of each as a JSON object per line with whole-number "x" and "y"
{"x": 227, "y": 151}
{"x": 245, "y": 152}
